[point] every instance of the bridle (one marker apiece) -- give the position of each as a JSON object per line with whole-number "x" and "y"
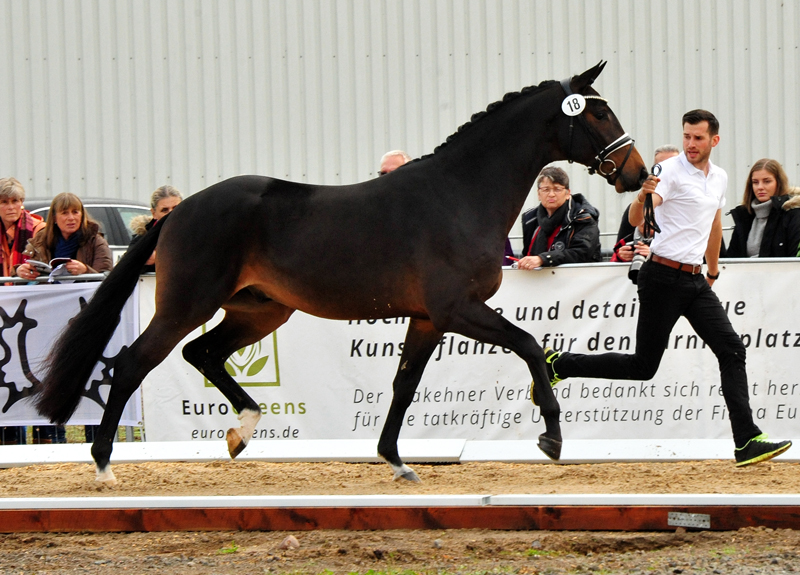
{"x": 602, "y": 164}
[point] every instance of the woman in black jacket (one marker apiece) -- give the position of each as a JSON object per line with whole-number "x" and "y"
{"x": 562, "y": 229}
{"x": 767, "y": 222}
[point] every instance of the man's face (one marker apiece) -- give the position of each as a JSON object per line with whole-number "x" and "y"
{"x": 390, "y": 164}
{"x": 698, "y": 143}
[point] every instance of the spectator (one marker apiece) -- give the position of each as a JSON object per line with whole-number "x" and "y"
{"x": 562, "y": 229}
{"x": 18, "y": 226}
{"x": 625, "y": 228}
{"x": 688, "y": 198}
{"x": 162, "y": 202}
{"x": 69, "y": 233}
{"x": 393, "y": 160}
{"x": 767, "y": 222}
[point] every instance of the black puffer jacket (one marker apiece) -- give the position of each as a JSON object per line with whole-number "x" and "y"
{"x": 578, "y": 240}
{"x": 781, "y": 234}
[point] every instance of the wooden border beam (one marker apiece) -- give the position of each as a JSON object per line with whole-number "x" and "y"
{"x": 577, "y": 518}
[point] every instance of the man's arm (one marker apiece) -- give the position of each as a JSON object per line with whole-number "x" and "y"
{"x": 712, "y": 250}
{"x": 636, "y": 212}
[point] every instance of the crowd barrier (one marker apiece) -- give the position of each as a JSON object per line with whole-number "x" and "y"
{"x": 324, "y": 386}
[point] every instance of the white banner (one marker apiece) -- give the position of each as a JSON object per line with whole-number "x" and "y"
{"x": 33, "y": 316}
{"x": 321, "y": 379}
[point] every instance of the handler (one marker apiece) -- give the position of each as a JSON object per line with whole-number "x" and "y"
{"x": 688, "y": 200}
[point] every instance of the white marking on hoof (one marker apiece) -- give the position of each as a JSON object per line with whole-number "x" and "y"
{"x": 249, "y": 419}
{"x": 238, "y": 438}
{"x": 404, "y": 472}
{"x": 105, "y": 476}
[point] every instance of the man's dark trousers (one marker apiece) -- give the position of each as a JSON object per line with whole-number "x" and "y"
{"x": 665, "y": 294}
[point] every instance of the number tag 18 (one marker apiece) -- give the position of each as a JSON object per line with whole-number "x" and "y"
{"x": 573, "y": 104}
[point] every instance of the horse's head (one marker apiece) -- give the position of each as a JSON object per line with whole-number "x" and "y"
{"x": 592, "y": 135}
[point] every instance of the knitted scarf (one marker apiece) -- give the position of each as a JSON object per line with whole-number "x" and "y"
{"x": 13, "y": 254}
{"x": 547, "y": 225}
{"x": 67, "y": 248}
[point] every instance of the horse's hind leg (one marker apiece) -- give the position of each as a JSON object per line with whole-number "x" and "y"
{"x": 130, "y": 368}
{"x": 421, "y": 340}
{"x": 477, "y": 320}
{"x": 245, "y": 322}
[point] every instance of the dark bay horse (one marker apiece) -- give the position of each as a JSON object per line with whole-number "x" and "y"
{"x": 425, "y": 241}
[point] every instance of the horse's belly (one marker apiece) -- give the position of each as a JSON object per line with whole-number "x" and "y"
{"x": 347, "y": 302}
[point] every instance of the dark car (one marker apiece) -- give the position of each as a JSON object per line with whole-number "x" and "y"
{"x": 114, "y": 217}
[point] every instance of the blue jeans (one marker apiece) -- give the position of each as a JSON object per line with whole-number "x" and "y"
{"x": 666, "y": 294}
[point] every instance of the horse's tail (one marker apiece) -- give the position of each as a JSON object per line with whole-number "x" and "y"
{"x": 79, "y": 347}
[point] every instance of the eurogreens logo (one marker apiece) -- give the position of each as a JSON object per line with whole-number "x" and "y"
{"x": 255, "y": 365}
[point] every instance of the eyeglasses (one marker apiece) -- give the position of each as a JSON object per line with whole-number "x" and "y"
{"x": 556, "y": 190}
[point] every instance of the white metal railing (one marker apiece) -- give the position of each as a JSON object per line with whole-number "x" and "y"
{"x": 42, "y": 279}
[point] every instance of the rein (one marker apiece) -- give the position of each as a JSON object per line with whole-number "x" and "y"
{"x": 603, "y": 154}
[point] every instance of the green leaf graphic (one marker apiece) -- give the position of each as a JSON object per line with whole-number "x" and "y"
{"x": 257, "y": 366}
{"x": 230, "y": 369}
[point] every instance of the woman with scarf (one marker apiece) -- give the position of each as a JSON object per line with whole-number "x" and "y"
{"x": 19, "y": 225}
{"x": 69, "y": 233}
{"x": 767, "y": 222}
{"x": 562, "y": 229}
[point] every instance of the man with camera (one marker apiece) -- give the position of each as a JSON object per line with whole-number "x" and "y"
{"x": 688, "y": 198}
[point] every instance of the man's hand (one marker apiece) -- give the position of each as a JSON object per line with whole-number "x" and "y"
{"x": 636, "y": 212}
{"x": 649, "y": 187}
{"x": 642, "y": 249}
{"x": 625, "y": 253}
{"x": 530, "y": 263}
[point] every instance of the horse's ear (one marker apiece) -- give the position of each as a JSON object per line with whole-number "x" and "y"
{"x": 588, "y": 77}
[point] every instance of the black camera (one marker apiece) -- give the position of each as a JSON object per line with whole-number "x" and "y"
{"x": 638, "y": 259}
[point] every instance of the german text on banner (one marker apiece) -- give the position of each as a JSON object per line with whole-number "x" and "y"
{"x": 322, "y": 379}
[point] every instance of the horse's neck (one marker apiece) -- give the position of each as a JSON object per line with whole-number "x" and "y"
{"x": 500, "y": 170}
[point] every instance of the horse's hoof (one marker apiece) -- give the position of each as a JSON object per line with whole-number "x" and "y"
{"x": 106, "y": 478}
{"x": 405, "y": 472}
{"x": 235, "y": 441}
{"x": 550, "y": 447}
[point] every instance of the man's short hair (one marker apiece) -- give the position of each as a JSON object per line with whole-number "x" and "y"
{"x": 666, "y": 149}
{"x": 696, "y": 116}
{"x": 405, "y": 156}
{"x": 555, "y": 175}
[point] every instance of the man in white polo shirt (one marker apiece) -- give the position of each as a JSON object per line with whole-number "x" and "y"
{"x": 688, "y": 199}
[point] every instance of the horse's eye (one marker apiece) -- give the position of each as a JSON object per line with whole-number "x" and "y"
{"x": 600, "y": 115}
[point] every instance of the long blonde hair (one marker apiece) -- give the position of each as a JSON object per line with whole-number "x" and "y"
{"x": 773, "y": 167}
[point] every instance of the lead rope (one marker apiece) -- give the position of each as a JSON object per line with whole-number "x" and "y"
{"x": 650, "y": 225}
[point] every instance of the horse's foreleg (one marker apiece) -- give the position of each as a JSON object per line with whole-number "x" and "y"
{"x": 245, "y": 323}
{"x": 421, "y": 340}
{"x": 478, "y": 321}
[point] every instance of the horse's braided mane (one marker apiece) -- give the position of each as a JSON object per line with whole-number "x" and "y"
{"x": 494, "y": 106}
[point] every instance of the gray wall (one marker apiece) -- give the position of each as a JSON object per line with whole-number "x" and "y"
{"x": 114, "y": 98}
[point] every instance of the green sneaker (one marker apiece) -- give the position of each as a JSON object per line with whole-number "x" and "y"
{"x": 550, "y": 357}
{"x": 759, "y": 449}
